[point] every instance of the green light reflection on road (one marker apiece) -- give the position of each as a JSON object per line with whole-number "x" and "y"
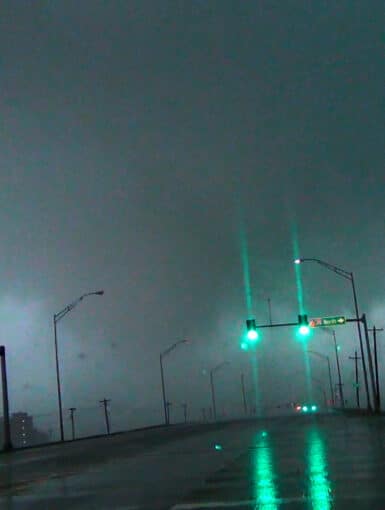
{"x": 265, "y": 492}
{"x": 320, "y": 491}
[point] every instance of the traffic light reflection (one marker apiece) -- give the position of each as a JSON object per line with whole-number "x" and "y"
{"x": 265, "y": 492}
{"x": 320, "y": 492}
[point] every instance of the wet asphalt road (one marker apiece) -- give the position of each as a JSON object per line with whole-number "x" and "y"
{"x": 302, "y": 462}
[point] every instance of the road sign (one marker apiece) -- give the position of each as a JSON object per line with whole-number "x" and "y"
{"x": 327, "y": 321}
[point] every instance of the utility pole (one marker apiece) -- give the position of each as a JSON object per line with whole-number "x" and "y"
{"x": 105, "y": 402}
{"x": 168, "y": 406}
{"x": 244, "y": 393}
{"x": 7, "y": 429}
{"x": 185, "y": 412}
{"x": 270, "y": 315}
{"x": 378, "y": 400}
{"x": 72, "y": 417}
{"x": 356, "y": 358}
{"x": 338, "y": 370}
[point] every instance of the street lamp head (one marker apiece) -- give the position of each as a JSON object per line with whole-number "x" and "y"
{"x": 99, "y": 292}
{"x": 297, "y": 261}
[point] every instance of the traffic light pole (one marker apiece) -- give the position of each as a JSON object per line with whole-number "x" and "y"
{"x": 375, "y": 330}
{"x": 371, "y": 370}
{"x": 244, "y": 393}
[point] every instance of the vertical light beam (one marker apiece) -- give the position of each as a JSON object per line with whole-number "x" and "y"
{"x": 246, "y": 269}
{"x": 301, "y": 307}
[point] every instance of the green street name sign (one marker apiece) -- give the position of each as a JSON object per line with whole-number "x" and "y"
{"x": 327, "y": 321}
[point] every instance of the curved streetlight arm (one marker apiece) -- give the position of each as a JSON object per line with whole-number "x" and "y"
{"x": 172, "y": 347}
{"x": 218, "y": 367}
{"x": 71, "y": 306}
{"x": 338, "y": 270}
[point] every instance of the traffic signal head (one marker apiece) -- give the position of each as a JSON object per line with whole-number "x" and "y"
{"x": 251, "y": 336}
{"x": 303, "y": 329}
{"x": 252, "y": 333}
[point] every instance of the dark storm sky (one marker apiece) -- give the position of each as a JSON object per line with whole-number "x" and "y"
{"x": 131, "y": 135}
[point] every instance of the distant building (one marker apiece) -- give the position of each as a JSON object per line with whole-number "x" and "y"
{"x": 23, "y": 432}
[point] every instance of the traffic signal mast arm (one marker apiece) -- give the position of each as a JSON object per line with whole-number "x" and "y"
{"x": 282, "y": 324}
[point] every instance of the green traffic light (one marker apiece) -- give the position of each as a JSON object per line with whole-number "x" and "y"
{"x": 304, "y": 330}
{"x": 314, "y": 408}
{"x": 252, "y": 335}
{"x": 305, "y": 409}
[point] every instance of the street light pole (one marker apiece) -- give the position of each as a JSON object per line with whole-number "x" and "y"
{"x": 323, "y": 356}
{"x": 58, "y": 382}
{"x": 161, "y": 356}
{"x": 163, "y": 391}
{"x": 212, "y": 372}
{"x": 56, "y": 318}
{"x": 348, "y": 276}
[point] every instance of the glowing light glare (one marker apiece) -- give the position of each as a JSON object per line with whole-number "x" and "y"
{"x": 320, "y": 489}
{"x": 265, "y": 491}
{"x": 314, "y": 408}
{"x": 297, "y": 261}
{"x": 305, "y": 409}
{"x": 218, "y": 447}
{"x": 298, "y": 408}
{"x": 304, "y": 330}
{"x": 252, "y": 335}
{"x": 244, "y": 346}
